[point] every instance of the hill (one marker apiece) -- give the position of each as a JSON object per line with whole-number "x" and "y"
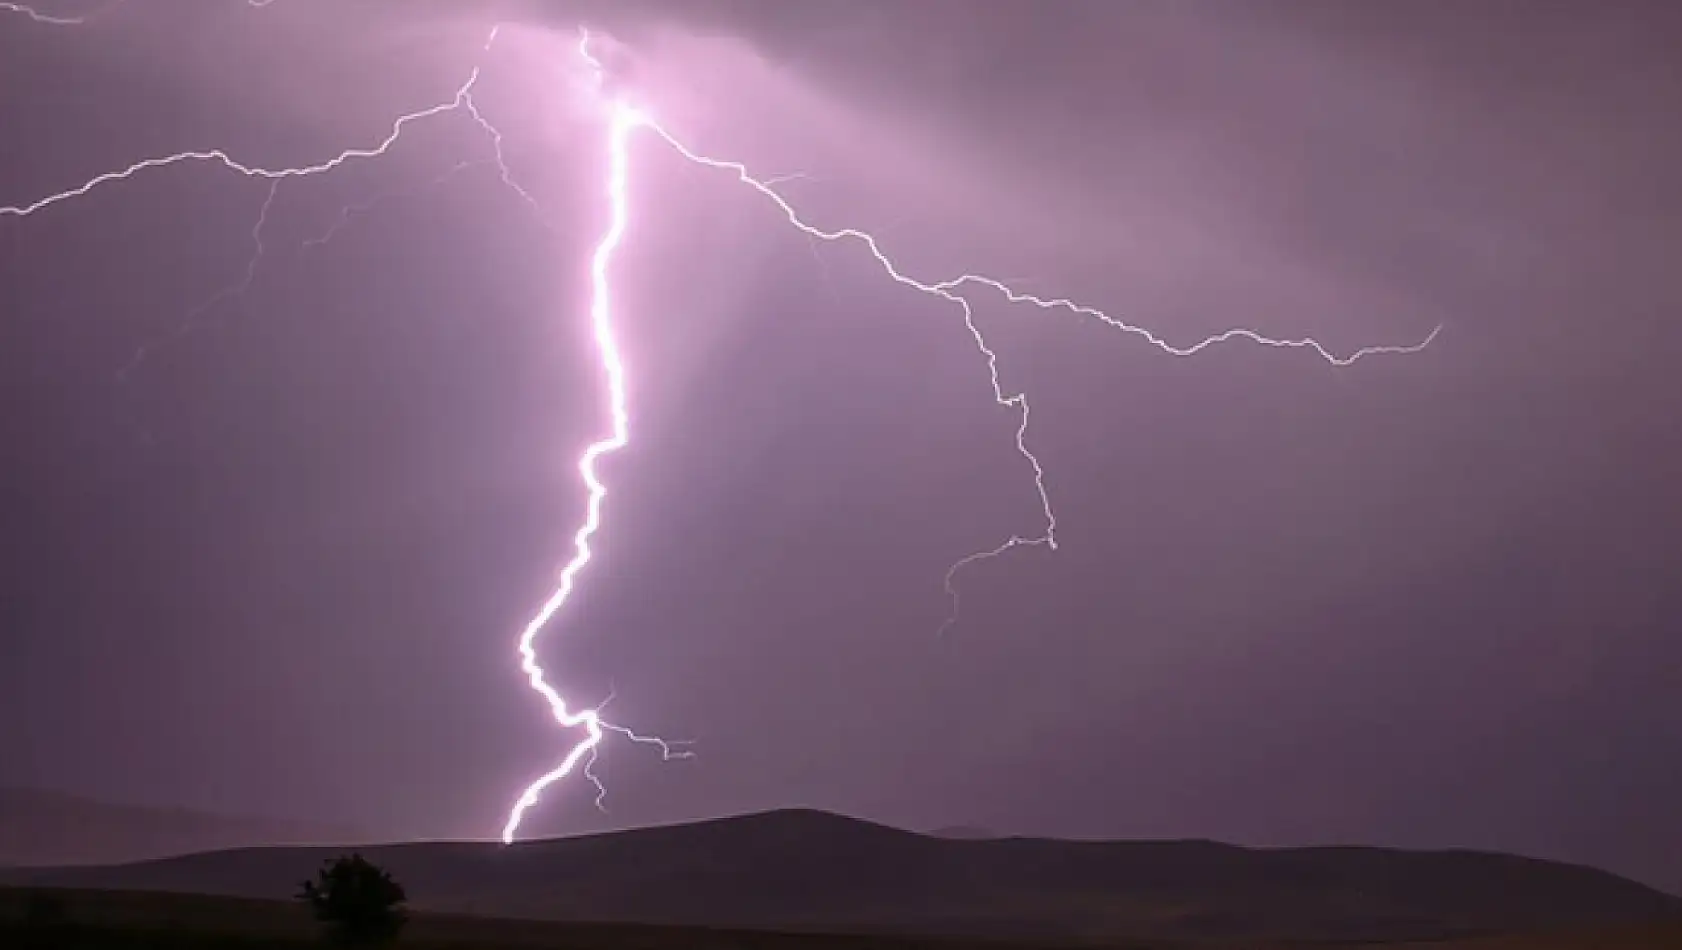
{"x": 805, "y": 870}
{"x": 52, "y": 828}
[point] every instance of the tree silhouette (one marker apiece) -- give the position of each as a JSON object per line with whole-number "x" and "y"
{"x": 357, "y": 900}
{"x": 44, "y": 911}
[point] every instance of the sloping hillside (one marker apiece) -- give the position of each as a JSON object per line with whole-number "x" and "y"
{"x": 965, "y": 832}
{"x": 810, "y": 870}
{"x": 50, "y": 828}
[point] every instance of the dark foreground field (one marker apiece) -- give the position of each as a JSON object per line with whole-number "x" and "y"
{"x": 123, "y": 920}
{"x": 131, "y": 920}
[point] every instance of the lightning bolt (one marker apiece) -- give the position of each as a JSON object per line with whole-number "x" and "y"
{"x": 349, "y": 213}
{"x": 81, "y": 19}
{"x": 195, "y": 315}
{"x": 40, "y": 17}
{"x": 623, "y": 120}
{"x": 220, "y": 157}
{"x": 586, "y": 750}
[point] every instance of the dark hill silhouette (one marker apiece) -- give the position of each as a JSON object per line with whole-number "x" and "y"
{"x": 52, "y": 828}
{"x": 807, "y": 870}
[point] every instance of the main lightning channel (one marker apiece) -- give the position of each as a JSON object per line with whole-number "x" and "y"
{"x": 622, "y": 121}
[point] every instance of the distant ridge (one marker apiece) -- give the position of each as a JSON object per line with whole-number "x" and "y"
{"x": 964, "y": 833}
{"x": 810, "y": 870}
{"x": 40, "y": 827}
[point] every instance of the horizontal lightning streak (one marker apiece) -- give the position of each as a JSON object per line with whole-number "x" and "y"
{"x": 948, "y": 290}
{"x": 227, "y": 161}
{"x": 460, "y": 99}
{"x": 40, "y": 17}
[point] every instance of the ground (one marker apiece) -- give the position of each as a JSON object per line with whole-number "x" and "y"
{"x": 122, "y": 920}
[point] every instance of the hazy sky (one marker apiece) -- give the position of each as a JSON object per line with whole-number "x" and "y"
{"x": 278, "y": 565}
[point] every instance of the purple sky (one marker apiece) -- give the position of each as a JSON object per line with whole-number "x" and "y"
{"x": 1423, "y": 601}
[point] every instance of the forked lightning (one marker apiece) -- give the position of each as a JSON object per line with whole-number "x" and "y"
{"x": 622, "y": 120}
